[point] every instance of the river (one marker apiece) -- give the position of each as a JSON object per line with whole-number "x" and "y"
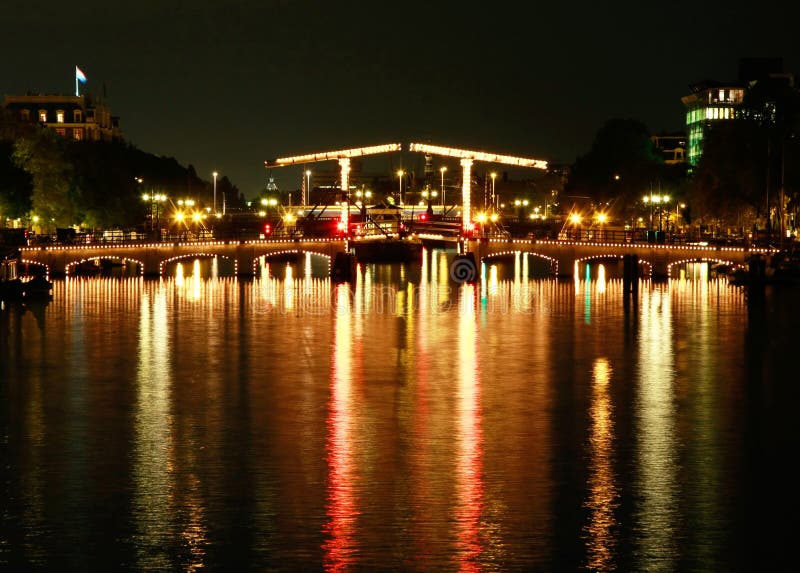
{"x": 404, "y": 422}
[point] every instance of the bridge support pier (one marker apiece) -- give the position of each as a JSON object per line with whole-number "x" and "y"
{"x": 630, "y": 273}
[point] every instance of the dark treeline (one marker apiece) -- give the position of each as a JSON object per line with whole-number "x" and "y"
{"x": 92, "y": 184}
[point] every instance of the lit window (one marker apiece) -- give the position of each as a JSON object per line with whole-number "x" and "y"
{"x": 77, "y": 134}
{"x": 721, "y": 95}
{"x": 60, "y": 116}
{"x": 709, "y": 113}
{"x": 43, "y": 115}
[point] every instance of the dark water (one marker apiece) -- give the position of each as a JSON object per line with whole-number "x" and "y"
{"x": 404, "y": 423}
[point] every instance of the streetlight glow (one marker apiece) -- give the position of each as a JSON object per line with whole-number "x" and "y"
{"x": 442, "y": 169}
{"x": 400, "y": 174}
{"x": 215, "y": 191}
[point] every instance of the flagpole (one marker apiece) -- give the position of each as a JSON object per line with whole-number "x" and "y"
{"x": 77, "y": 93}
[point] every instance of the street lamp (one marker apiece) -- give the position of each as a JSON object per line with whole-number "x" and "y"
{"x": 601, "y": 219}
{"x": 650, "y": 200}
{"x": 442, "y": 169}
{"x": 429, "y": 195}
{"x": 494, "y": 176}
{"x": 307, "y": 191}
{"x": 575, "y": 218}
{"x": 678, "y": 208}
{"x": 154, "y": 199}
{"x": 400, "y": 174}
{"x": 664, "y": 201}
{"x": 215, "y": 191}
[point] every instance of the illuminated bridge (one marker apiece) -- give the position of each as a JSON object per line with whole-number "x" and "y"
{"x": 563, "y": 257}
{"x": 241, "y": 258}
{"x": 152, "y": 259}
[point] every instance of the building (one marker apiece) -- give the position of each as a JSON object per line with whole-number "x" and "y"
{"x": 713, "y": 101}
{"x": 710, "y": 101}
{"x": 672, "y": 147}
{"x": 82, "y": 117}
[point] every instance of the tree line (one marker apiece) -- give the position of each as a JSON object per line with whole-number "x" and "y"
{"x": 91, "y": 184}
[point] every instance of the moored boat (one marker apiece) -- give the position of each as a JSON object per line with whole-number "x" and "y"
{"x": 15, "y": 287}
{"x": 381, "y": 250}
{"x": 780, "y": 268}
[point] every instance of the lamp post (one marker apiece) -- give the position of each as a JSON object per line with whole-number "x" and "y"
{"x": 664, "y": 201}
{"x": 442, "y": 169}
{"x": 601, "y": 219}
{"x": 494, "y": 176}
{"x": 575, "y": 218}
{"x": 215, "y": 192}
{"x": 646, "y": 201}
{"x": 678, "y": 208}
{"x": 400, "y": 174}
{"x": 429, "y": 195}
{"x": 154, "y": 199}
{"x": 656, "y": 202}
{"x": 307, "y": 191}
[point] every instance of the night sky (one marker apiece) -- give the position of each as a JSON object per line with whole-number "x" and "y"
{"x": 227, "y": 84}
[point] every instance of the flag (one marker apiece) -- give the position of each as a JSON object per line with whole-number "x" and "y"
{"x": 79, "y": 75}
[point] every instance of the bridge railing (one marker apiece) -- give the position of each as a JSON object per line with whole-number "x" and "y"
{"x": 448, "y": 228}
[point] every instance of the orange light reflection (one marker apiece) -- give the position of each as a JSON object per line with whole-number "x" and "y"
{"x": 342, "y": 509}
{"x": 469, "y": 463}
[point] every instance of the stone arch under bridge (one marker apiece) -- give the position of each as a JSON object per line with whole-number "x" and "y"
{"x": 553, "y": 263}
{"x": 152, "y": 257}
{"x": 104, "y": 265}
{"x": 660, "y": 258}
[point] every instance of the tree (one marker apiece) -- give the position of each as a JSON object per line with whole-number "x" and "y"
{"x": 728, "y": 183}
{"x": 622, "y": 165}
{"x": 43, "y": 156}
{"x": 15, "y": 186}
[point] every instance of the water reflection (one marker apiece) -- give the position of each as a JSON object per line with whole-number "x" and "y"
{"x": 656, "y": 448}
{"x": 341, "y": 508}
{"x": 403, "y": 425}
{"x": 469, "y": 437}
{"x": 600, "y": 532}
{"x": 153, "y": 442}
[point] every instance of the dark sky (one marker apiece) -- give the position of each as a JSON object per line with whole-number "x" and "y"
{"x": 227, "y": 84}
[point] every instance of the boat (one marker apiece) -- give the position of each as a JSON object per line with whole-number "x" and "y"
{"x": 37, "y": 288}
{"x": 391, "y": 250}
{"x": 14, "y": 287}
{"x": 779, "y": 268}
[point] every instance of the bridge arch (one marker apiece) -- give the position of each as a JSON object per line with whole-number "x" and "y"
{"x": 162, "y": 266}
{"x": 287, "y": 252}
{"x": 513, "y": 253}
{"x": 75, "y": 268}
{"x": 26, "y": 264}
{"x": 615, "y": 257}
{"x": 674, "y": 264}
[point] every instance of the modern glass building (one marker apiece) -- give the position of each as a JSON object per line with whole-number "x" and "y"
{"x": 709, "y": 102}
{"x": 713, "y": 101}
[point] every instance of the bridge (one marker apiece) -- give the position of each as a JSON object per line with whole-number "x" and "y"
{"x": 466, "y": 157}
{"x": 152, "y": 259}
{"x": 242, "y": 257}
{"x": 564, "y": 256}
